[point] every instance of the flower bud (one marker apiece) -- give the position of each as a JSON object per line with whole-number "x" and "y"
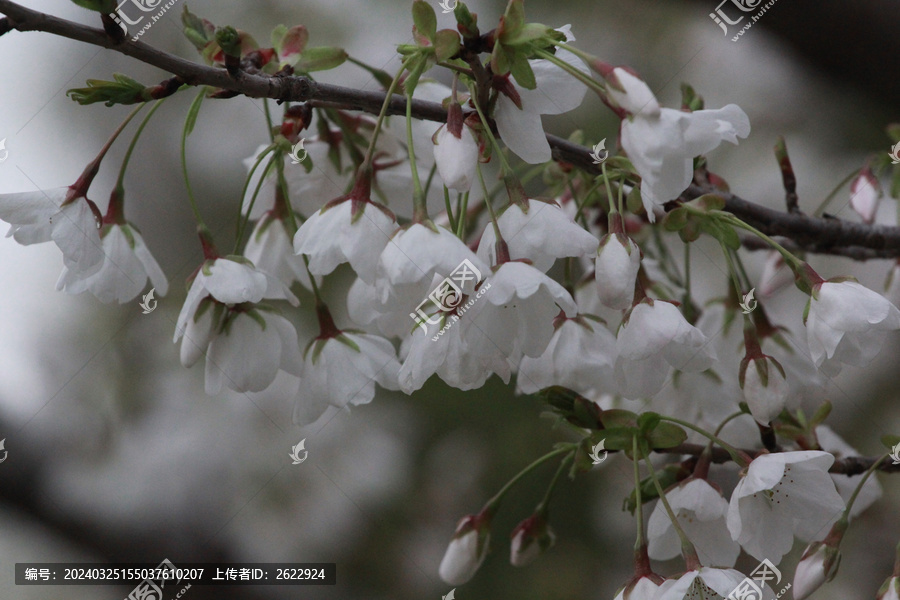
{"x": 467, "y": 549}
{"x": 765, "y": 388}
{"x": 456, "y": 152}
{"x": 819, "y": 562}
{"x": 529, "y": 539}
{"x": 616, "y": 269}
{"x": 890, "y": 589}
{"x": 865, "y": 193}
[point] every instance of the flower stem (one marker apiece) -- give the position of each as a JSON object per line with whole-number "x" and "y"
{"x": 370, "y": 152}
{"x": 131, "y": 146}
{"x": 639, "y": 509}
{"x": 861, "y": 483}
{"x": 504, "y": 163}
{"x": 487, "y": 203}
{"x": 188, "y": 125}
{"x": 739, "y": 457}
{"x": 542, "y": 507}
{"x": 241, "y": 224}
{"x": 495, "y": 501}
{"x": 587, "y": 80}
{"x": 420, "y": 210}
{"x": 818, "y": 212}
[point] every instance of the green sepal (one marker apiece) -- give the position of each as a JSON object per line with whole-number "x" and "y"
{"x": 424, "y": 22}
{"x": 446, "y": 44}
{"x": 522, "y": 72}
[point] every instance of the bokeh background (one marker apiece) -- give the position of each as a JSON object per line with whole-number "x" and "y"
{"x": 116, "y": 454}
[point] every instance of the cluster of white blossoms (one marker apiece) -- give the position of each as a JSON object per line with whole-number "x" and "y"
{"x": 571, "y": 290}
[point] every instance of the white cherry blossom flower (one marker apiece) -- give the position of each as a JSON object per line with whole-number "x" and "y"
{"x": 417, "y": 253}
{"x": 127, "y": 264}
{"x": 445, "y": 352}
{"x": 230, "y": 280}
{"x": 662, "y": 142}
{"x": 848, "y": 323}
{"x": 557, "y": 92}
{"x": 701, "y": 511}
{"x": 350, "y": 229}
{"x": 271, "y": 249}
{"x": 783, "y": 495}
{"x": 69, "y": 220}
{"x": 654, "y": 338}
{"x": 249, "y": 349}
{"x": 467, "y": 550}
{"x": 516, "y": 315}
{"x": 539, "y": 231}
{"x": 704, "y": 583}
{"x": 340, "y": 370}
{"x": 580, "y": 356}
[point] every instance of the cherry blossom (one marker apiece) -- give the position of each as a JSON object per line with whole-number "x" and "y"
{"x": 783, "y": 495}
{"x": 350, "y": 229}
{"x": 848, "y": 323}
{"x": 580, "y": 356}
{"x": 701, "y": 511}
{"x": 540, "y": 232}
{"x": 703, "y": 583}
{"x": 557, "y": 92}
{"x": 250, "y": 347}
{"x": 127, "y": 264}
{"x": 70, "y": 220}
{"x": 662, "y": 142}
{"x": 341, "y": 368}
{"x": 655, "y": 337}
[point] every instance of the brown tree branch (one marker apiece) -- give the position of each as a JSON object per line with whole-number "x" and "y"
{"x": 850, "y": 465}
{"x": 827, "y": 236}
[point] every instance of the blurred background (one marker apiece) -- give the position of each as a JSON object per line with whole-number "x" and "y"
{"x": 115, "y": 452}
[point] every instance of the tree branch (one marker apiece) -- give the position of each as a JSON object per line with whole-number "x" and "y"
{"x": 827, "y": 236}
{"x": 850, "y": 465}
